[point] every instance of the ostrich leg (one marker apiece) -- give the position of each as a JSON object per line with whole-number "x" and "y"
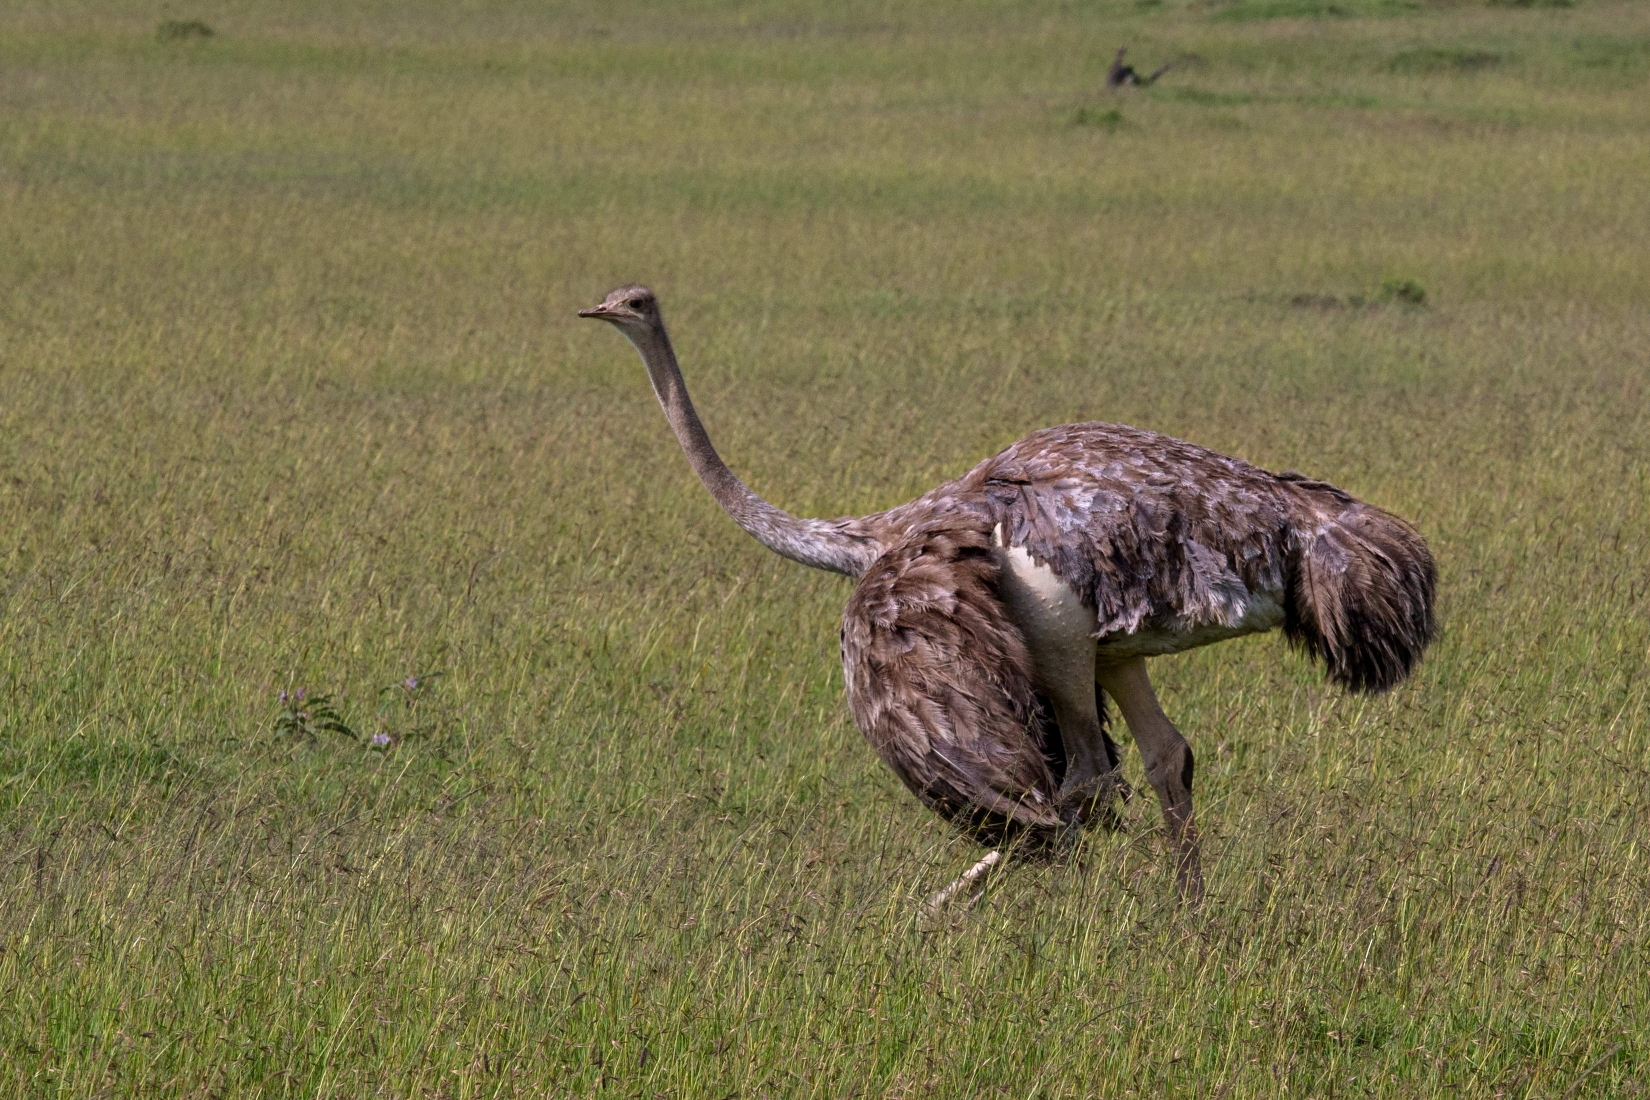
{"x": 1090, "y": 767}
{"x": 1093, "y": 780}
{"x": 1064, "y": 659}
{"x": 1059, "y": 632}
{"x": 1168, "y": 761}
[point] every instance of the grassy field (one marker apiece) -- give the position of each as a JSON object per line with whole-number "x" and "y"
{"x": 292, "y": 397}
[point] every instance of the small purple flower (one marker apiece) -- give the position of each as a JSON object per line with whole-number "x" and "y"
{"x": 410, "y": 683}
{"x": 380, "y": 740}
{"x": 283, "y": 697}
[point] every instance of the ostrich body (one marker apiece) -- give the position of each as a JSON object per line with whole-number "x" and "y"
{"x": 994, "y": 613}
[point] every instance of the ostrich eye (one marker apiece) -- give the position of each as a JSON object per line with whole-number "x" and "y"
{"x": 635, "y": 303}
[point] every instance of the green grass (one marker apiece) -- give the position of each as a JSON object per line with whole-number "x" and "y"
{"x": 1246, "y": 10}
{"x": 1435, "y": 59}
{"x": 292, "y": 396}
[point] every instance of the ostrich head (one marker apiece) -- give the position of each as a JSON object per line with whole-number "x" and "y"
{"x": 633, "y": 309}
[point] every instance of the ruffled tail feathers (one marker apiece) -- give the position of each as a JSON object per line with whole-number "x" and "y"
{"x": 1362, "y": 595}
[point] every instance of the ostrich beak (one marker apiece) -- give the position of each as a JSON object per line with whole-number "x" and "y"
{"x": 598, "y": 312}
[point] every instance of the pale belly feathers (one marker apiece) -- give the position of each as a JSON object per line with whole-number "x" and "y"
{"x": 1060, "y": 631}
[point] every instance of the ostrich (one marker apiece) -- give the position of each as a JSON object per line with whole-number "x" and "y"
{"x": 994, "y": 615}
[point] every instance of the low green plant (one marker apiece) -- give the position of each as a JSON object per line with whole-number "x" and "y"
{"x": 304, "y": 716}
{"x": 1404, "y": 291}
{"x": 1109, "y": 119}
{"x": 1259, "y": 10}
{"x": 402, "y": 713}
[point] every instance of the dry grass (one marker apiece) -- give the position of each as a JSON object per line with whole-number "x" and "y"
{"x": 291, "y": 395}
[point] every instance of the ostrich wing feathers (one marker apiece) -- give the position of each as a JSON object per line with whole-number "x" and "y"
{"x": 1148, "y": 530}
{"x": 1176, "y": 546}
{"x": 940, "y": 682}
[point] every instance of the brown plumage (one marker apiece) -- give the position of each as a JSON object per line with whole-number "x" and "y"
{"x": 941, "y": 683}
{"x": 1168, "y": 541}
{"x": 988, "y": 609}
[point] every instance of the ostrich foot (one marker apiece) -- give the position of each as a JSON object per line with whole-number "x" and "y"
{"x": 928, "y": 917}
{"x": 1091, "y": 800}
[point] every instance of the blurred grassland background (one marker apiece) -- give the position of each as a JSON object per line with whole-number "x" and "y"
{"x": 292, "y": 396}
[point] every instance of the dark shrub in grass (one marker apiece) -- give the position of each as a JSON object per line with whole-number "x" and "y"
{"x": 1404, "y": 291}
{"x": 179, "y": 30}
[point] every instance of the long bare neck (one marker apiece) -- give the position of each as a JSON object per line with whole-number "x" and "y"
{"x": 835, "y": 546}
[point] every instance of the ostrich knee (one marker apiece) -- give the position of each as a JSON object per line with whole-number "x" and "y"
{"x": 1169, "y": 768}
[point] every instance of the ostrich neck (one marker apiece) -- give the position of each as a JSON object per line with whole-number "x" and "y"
{"x": 841, "y": 546}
